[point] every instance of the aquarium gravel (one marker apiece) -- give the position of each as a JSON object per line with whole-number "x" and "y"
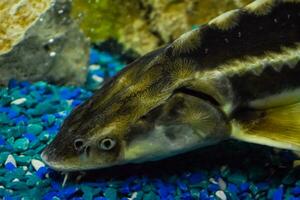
{"x": 32, "y": 113}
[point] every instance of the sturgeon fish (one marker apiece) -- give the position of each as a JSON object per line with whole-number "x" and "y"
{"x": 238, "y": 76}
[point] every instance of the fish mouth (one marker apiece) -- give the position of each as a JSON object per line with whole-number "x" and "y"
{"x": 66, "y": 167}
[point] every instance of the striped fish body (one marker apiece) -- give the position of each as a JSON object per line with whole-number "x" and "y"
{"x": 237, "y": 76}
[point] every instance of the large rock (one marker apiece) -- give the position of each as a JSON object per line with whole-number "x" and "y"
{"x": 143, "y": 25}
{"x": 39, "y": 41}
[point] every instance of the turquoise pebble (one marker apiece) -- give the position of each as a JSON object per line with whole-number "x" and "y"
{"x": 3, "y": 156}
{"x": 17, "y": 185}
{"x": 34, "y": 144}
{"x": 150, "y": 196}
{"x": 44, "y": 136}
{"x": 16, "y": 131}
{"x": 195, "y": 193}
{"x": 139, "y": 195}
{"x": 111, "y": 193}
{"x": 21, "y": 144}
{"x": 32, "y": 180}
{"x": 34, "y": 128}
{"x": 4, "y": 118}
{"x": 87, "y": 192}
{"x": 23, "y": 160}
{"x": 237, "y": 178}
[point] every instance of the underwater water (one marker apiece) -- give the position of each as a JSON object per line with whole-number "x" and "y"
{"x": 32, "y": 113}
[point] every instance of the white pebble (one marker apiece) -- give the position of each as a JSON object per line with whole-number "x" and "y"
{"x": 16, "y": 180}
{"x": 28, "y": 173}
{"x": 11, "y": 159}
{"x": 133, "y": 196}
{"x": 221, "y": 195}
{"x": 212, "y": 180}
{"x": 69, "y": 102}
{"x": 18, "y": 101}
{"x": 97, "y": 78}
{"x": 37, "y": 164}
{"x": 222, "y": 184}
{"x": 94, "y": 67}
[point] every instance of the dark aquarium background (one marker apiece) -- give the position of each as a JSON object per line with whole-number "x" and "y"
{"x": 55, "y": 54}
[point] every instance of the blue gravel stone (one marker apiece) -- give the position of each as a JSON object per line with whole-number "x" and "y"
{"x": 244, "y": 187}
{"x": 296, "y": 190}
{"x": 196, "y": 178}
{"x": 31, "y": 137}
{"x": 278, "y": 194}
{"x": 41, "y": 172}
{"x": 232, "y": 188}
{"x": 69, "y": 191}
{"x": 10, "y": 166}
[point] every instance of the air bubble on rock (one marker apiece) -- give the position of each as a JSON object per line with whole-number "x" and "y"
{"x": 61, "y": 11}
{"x": 52, "y": 54}
{"x": 37, "y": 164}
{"x": 18, "y": 101}
{"x": 220, "y": 194}
{"x": 51, "y": 40}
{"x": 41, "y": 19}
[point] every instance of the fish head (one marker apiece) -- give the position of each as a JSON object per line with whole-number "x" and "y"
{"x": 140, "y": 115}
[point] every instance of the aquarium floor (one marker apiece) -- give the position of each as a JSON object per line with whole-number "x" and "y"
{"x": 32, "y": 113}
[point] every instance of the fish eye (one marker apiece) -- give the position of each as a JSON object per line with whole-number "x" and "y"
{"x": 107, "y": 144}
{"x": 78, "y": 144}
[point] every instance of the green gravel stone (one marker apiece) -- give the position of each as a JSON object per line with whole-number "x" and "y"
{"x": 253, "y": 189}
{"x": 256, "y": 174}
{"x": 237, "y": 178}
{"x": 148, "y": 188}
{"x": 34, "y": 144}
{"x": 44, "y": 136}
{"x": 4, "y": 118}
{"x": 23, "y": 160}
{"x": 3, "y": 157}
{"x": 290, "y": 178}
{"x": 17, "y": 185}
{"x": 21, "y": 144}
{"x": 2, "y": 171}
{"x": 139, "y": 195}
{"x": 195, "y": 193}
{"x": 40, "y": 149}
{"x": 150, "y": 196}
{"x": 202, "y": 184}
{"x": 3, "y": 181}
{"x": 110, "y": 193}
{"x": 15, "y": 131}
{"x": 32, "y": 180}
{"x": 11, "y": 141}
{"x": 298, "y": 183}
{"x": 87, "y": 192}
{"x": 232, "y": 196}
{"x": 34, "y": 128}
{"x": 270, "y": 193}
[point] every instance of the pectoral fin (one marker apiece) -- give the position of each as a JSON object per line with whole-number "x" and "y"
{"x": 277, "y": 127}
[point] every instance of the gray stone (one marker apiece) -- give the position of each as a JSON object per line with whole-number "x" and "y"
{"x": 50, "y": 47}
